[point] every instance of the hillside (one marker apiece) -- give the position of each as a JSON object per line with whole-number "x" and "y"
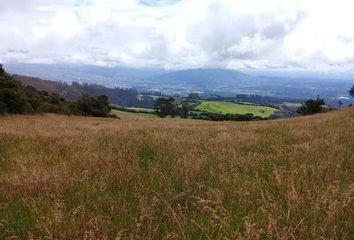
{"x": 67, "y": 91}
{"x": 119, "y": 96}
{"x": 89, "y": 178}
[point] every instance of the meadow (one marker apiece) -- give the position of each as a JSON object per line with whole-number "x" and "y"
{"x": 235, "y": 108}
{"x": 69, "y": 177}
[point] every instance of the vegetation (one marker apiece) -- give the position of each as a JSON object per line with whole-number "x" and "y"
{"x": 165, "y": 107}
{"x": 119, "y": 96}
{"x": 92, "y": 106}
{"x": 351, "y": 92}
{"x": 224, "y": 117}
{"x": 90, "y": 178}
{"x": 191, "y": 107}
{"x": 312, "y": 106}
{"x": 17, "y": 99}
{"x": 234, "y": 108}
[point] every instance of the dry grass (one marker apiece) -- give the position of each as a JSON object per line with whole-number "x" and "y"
{"x": 84, "y": 178}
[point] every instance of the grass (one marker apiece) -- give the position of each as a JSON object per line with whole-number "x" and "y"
{"x": 132, "y": 116}
{"x": 234, "y": 108}
{"x": 89, "y": 178}
{"x": 141, "y": 109}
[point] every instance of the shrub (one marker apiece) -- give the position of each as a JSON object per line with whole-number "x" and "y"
{"x": 312, "y": 106}
{"x": 93, "y": 106}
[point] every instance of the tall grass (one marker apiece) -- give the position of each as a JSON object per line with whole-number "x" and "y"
{"x": 87, "y": 178}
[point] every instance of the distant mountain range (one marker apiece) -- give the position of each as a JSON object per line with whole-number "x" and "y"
{"x": 205, "y": 81}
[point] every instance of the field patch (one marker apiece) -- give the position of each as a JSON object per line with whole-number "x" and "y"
{"x": 235, "y": 108}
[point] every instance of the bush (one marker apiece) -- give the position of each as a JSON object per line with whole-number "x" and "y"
{"x": 312, "y": 106}
{"x": 351, "y": 92}
{"x": 165, "y": 107}
{"x": 93, "y": 106}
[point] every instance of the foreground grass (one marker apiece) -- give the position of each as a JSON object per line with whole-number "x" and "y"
{"x": 84, "y": 178}
{"x": 234, "y": 108}
{"x": 133, "y": 116}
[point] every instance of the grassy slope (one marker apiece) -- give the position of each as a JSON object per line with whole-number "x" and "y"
{"x": 227, "y": 107}
{"x": 85, "y": 178}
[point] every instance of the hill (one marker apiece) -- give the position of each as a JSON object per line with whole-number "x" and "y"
{"x": 119, "y": 96}
{"x": 67, "y": 91}
{"x": 74, "y": 178}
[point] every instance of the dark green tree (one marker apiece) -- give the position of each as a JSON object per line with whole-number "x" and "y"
{"x": 184, "y": 109}
{"x": 193, "y": 96}
{"x": 12, "y": 96}
{"x": 312, "y": 106}
{"x": 93, "y": 106}
{"x": 165, "y": 107}
{"x": 351, "y": 92}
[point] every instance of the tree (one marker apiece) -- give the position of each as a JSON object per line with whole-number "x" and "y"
{"x": 193, "y": 96}
{"x": 184, "y": 109}
{"x": 12, "y": 96}
{"x": 312, "y": 106}
{"x": 164, "y": 107}
{"x": 351, "y": 92}
{"x": 92, "y": 106}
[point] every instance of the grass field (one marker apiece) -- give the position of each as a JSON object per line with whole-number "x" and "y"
{"x": 234, "y": 108}
{"x": 132, "y": 116}
{"x": 141, "y": 109}
{"x": 72, "y": 177}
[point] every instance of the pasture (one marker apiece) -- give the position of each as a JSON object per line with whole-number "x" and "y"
{"x": 235, "y": 108}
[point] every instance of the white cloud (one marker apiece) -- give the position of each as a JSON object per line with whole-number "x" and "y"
{"x": 310, "y": 34}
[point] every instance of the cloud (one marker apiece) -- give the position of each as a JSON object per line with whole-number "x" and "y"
{"x": 309, "y": 34}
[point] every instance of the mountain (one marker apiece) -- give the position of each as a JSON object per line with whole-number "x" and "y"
{"x": 200, "y": 79}
{"x": 222, "y": 82}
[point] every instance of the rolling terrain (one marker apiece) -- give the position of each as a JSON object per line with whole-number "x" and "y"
{"x": 209, "y": 81}
{"x": 72, "y": 177}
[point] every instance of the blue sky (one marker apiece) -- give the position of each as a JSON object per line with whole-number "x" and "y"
{"x": 274, "y": 34}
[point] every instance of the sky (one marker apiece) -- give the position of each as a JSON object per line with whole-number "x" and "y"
{"x": 315, "y": 35}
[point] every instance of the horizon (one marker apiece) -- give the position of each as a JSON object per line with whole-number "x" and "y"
{"x": 276, "y": 36}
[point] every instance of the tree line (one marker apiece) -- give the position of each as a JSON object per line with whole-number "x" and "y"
{"x": 18, "y": 99}
{"x": 186, "y": 109}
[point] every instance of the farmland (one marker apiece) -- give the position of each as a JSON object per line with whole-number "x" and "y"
{"x": 69, "y": 177}
{"x": 235, "y": 108}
